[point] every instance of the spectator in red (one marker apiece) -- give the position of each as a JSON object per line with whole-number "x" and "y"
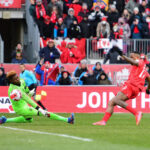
{"x": 45, "y": 72}
{"x": 76, "y": 5}
{"x": 135, "y": 15}
{"x": 113, "y": 15}
{"x": 115, "y": 33}
{"x": 124, "y": 29}
{"x": 126, "y": 15}
{"x": 49, "y": 53}
{"x": 70, "y": 18}
{"x": 95, "y": 18}
{"x": 84, "y": 11}
{"x": 103, "y": 28}
{"x": 65, "y": 78}
{"x": 40, "y": 15}
{"x": 70, "y": 54}
{"x": 60, "y": 29}
{"x": 74, "y": 30}
{"x": 136, "y": 29}
{"x": 85, "y": 27}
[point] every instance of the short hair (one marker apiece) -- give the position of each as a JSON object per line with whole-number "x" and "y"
{"x": 11, "y": 74}
{"x": 98, "y": 63}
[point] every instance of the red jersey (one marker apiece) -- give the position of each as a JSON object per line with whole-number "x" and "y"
{"x": 138, "y": 75}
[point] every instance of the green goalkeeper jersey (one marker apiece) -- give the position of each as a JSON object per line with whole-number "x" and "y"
{"x": 24, "y": 100}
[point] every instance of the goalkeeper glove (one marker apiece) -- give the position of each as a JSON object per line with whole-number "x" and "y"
{"x": 31, "y": 93}
{"x": 43, "y": 112}
{"x": 147, "y": 91}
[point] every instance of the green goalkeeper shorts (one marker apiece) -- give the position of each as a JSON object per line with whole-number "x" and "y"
{"x": 27, "y": 112}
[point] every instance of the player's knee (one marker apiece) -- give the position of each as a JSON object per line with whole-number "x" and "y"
{"x": 112, "y": 103}
{"x": 29, "y": 119}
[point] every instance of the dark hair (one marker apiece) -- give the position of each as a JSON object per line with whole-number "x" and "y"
{"x": 10, "y": 75}
{"x": 98, "y": 63}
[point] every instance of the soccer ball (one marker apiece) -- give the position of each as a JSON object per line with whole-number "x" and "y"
{"x": 15, "y": 95}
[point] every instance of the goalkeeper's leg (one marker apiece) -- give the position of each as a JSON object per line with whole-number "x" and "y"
{"x": 20, "y": 119}
{"x": 27, "y": 113}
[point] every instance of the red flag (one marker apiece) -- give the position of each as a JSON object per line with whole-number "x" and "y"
{"x": 53, "y": 73}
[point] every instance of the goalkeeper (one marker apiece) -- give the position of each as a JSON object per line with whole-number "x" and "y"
{"x": 20, "y": 100}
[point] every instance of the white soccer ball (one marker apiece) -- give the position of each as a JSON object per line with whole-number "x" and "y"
{"x": 15, "y": 95}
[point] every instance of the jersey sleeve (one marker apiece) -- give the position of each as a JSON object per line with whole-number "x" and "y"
{"x": 26, "y": 89}
{"x": 28, "y": 100}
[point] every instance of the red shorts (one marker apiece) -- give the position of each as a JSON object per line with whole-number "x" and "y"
{"x": 130, "y": 91}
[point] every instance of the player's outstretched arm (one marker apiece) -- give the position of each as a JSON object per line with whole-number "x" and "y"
{"x": 28, "y": 100}
{"x": 130, "y": 60}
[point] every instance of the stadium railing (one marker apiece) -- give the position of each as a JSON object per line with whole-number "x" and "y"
{"x": 129, "y": 45}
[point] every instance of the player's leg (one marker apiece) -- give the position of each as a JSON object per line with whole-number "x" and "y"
{"x": 19, "y": 119}
{"x": 121, "y": 102}
{"x": 119, "y": 99}
{"x": 28, "y": 112}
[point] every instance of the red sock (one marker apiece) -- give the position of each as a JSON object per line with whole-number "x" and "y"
{"x": 133, "y": 111}
{"x": 106, "y": 116}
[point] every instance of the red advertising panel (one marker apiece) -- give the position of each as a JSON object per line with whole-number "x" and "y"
{"x": 118, "y": 73}
{"x": 10, "y": 3}
{"x": 80, "y": 99}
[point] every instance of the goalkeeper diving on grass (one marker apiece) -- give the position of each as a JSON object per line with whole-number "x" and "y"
{"x": 19, "y": 98}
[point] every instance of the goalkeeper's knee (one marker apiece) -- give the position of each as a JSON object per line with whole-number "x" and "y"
{"x": 29, "y": 119}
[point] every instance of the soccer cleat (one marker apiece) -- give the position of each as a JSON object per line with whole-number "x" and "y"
{"x": 71, "y": 119}
{"x": 138, "y": 117}
{"x": 3, "y": 119}
{"x": 100, "y": 123}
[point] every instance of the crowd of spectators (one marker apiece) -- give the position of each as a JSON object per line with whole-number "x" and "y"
{"x": 61, "y": 19}
{"x": 88, "y": 19}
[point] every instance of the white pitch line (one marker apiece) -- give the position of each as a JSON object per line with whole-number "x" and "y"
{"x": 48, "y": 133}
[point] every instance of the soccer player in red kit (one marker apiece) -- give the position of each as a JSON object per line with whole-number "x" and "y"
{"x": 131, "y": 88}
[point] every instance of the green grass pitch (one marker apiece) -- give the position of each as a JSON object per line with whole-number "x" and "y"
{"x": 121, "y": 133}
